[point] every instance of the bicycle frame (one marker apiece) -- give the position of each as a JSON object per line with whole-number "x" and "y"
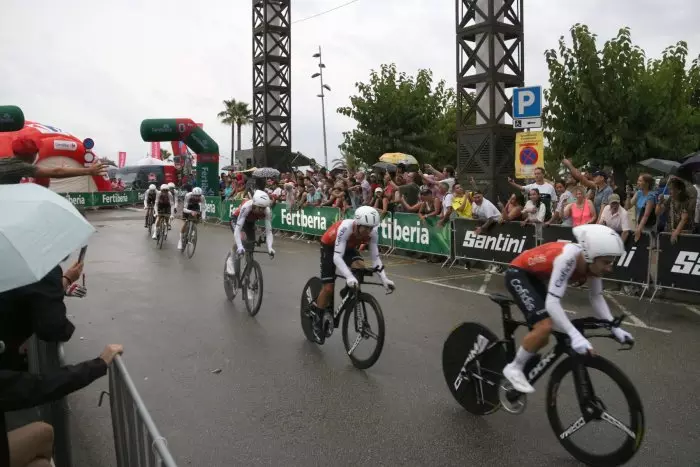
{"x": 350, "y": 300}
{"x": 249, "y": 250}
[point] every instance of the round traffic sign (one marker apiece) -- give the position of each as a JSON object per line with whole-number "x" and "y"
{"x": 88, "y": 143}
{"x": 528, "y": 155}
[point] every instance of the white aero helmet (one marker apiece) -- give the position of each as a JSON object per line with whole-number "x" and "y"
{"x": 598, "y": 240}
{"x": 196, "y": 191}
{"x": 367, "y": 216}
{"x": 171, "y": 185}
{"x": 151, "y": 187}
{"x": 261, "y": 199}
{"x": 164, "y": 187}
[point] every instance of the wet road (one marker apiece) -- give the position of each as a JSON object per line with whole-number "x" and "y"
{"x": 280, "y": 400}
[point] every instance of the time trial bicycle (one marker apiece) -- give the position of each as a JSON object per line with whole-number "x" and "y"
{"x": 189, "y": 238}
{"x": 355, "y": 304}
{"x": 250, "y": 279}
{"x": 473, "y": 358}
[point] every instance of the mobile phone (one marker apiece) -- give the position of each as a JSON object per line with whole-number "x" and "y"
{"x": 81, "y": 257}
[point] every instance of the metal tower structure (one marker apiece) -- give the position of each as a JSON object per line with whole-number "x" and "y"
{"x": 490, "y": 59}
{"x": 272, "y": 83}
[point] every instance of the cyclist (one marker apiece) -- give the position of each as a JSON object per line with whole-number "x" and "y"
{"x": 164, "y": 203}
{"x": 173, "y": 191}
{"x": 339, "y": 250}
{"x": 193, "y": 207}
{"x": 244, "y": 218}
{"x": 149, "y": 200}
{"x": 537, "y": 280}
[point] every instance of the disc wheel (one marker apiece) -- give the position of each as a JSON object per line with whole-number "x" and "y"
{"x": 309, "y": 294}
{"x": 472, "y": 363}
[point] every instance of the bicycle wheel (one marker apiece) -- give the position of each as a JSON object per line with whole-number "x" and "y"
{"x": 309, "y": 294}
{"x": 472, "y": 363}
{"x": 253, "y": 288}
{"x": 161, "y": 234}
{"x": 191, "y": 245}
{"x": 230, "y": 284}
{"x": 365, "y": 303}
{"x": 595, "y": 410}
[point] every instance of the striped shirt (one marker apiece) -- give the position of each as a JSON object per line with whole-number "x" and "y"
{"x": 13, "y": 169}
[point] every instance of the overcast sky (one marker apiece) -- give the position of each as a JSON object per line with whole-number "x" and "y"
{"x": 96, "y": 68}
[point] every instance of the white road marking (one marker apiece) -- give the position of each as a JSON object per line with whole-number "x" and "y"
{"x": 487, "y": 279}
{"x": 634, "y": 320}
{"x": 692, "y": 309}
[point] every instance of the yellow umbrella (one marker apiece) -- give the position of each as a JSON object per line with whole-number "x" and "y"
{"x": 398, "y": 158}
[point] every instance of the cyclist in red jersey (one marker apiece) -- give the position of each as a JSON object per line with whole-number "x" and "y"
{"x": 339, "y": 251}
{"x": 537, "y": 280}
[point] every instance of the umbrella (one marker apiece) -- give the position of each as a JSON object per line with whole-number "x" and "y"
{"x": 398, "y": 158}
{"x": 228, "y": 168}
{"x": 150, "y": 161}
{"x": 266, "y": 172}
{"x": 661, "y": 165}
{"x": 38, "y": 229}
{"x": 689, "y": 165}
{"x": 385, "y": 166}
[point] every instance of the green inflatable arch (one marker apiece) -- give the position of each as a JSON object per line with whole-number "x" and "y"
{"x": 187, "y": 131}
{"x": 11, "y": 118}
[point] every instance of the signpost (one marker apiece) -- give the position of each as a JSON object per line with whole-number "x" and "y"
{"x": 527, "y": 107}
{"x": 529, "y": 153}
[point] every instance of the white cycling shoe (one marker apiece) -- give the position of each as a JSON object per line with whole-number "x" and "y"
{"x": 179, "y": 244}
{"x": 230, "y": 267}
{"x": 517, "y": 379}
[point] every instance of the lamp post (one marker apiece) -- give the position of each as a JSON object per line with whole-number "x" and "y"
{"x": 324, "y": 87}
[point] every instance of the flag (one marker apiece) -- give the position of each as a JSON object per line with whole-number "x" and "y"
{"x": 122, "y": 159}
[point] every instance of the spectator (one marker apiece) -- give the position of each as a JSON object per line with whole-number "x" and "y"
{"x": 365, "y": 188}
{"x": 461, "y": 202}
{"x": 446, "y": 202}
{"x": 32, "y": 445}
{"x": 410, "y": 189}
{"x": 547, "y": 192}
{"x": 485, "y": 211}
{"x": 599, "y": 185}
{"x": 447, "y": 175}
{"x": 427, "y": 206}
{"x": 644, "y": 201}
{"x": 535, "y": 209}
{"x": 582, "y": 211}
{"x": 616, "y": 217}
{"x": 565, "y": 195}
{"x": 678, "y": 206}
{"x": 25, "y": 150}
{"x": 380, "y": 202}
{"x": 374, "y": 182}
{"x": 513, "y": 210}
{"x": 313, "y": 196}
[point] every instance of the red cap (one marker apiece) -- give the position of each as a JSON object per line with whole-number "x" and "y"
{"x": 24, "y": 146}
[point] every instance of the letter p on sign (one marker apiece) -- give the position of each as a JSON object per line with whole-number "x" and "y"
{"x": 527, "y": 102}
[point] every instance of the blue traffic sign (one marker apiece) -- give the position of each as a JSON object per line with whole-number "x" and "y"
{"x": 88, "y": 143}
{"x": 527, "y": 102}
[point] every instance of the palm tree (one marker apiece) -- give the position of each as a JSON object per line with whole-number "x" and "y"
{"x": 348, "y": 162}
{"x": 235, "y": 114}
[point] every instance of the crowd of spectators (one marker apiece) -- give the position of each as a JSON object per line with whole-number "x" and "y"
{"x": 38, "y": 309}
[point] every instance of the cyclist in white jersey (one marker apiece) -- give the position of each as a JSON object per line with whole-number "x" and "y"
{"x": 244, "y": 218}
{"x": 164, "y": 203}
{"x": 193, "y": 207}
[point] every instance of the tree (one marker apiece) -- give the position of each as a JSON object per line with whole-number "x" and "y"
{"x": 399, "y": 113}
{"x": 612, "y": 107}
{"x": 164, "y": 154}
{"x": 236, "y": 114}
{"x": 349, "y": 162}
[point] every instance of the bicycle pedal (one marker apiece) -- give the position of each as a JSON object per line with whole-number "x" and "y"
{"x": 512, "y": 401}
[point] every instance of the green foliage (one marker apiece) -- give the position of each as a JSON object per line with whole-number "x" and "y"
{"x": 396, "y": 112}
{"x": 349, "y": 162}
{"x": 613, "y": 107}
{"x": 165, "y": 154}
{"x": 236, "y": 114}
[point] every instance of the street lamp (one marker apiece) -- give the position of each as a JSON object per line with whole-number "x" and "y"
{"x": 321, "y": 66}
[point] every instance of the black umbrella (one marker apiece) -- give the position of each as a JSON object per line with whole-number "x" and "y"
{"x": 228, "y": 168}
{"x": 385, "y": 166}
{"x": 689, "y": 165}
{"x": 661, "y": 165}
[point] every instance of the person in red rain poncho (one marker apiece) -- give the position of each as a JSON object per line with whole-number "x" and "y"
{"x": 25, "y": 150}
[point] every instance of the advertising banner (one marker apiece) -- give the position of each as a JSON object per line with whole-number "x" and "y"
{"x": 557, "y": 233}
{"x": 213, "y": 204}
{"x": 122, "y": 159}
{"x": 155, "y": 150}
{"x": 309, "y": 220}
{"x": 111, "y": 198}
{"x": 502, "y": 243}
{"x": 679, "y": 264}
{"x": 408, "y": 232}
{"x": 79, "y": 200}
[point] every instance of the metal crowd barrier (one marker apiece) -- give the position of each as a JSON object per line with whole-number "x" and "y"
{"x": 42, "y": 358}
{"x": 137, "y": 441}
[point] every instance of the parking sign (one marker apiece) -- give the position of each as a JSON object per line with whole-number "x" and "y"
{"x": 527, "y": 102}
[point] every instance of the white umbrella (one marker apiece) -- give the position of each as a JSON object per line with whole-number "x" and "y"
{"x": 38, "y": 229}
{"x": 150, "y": 161}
